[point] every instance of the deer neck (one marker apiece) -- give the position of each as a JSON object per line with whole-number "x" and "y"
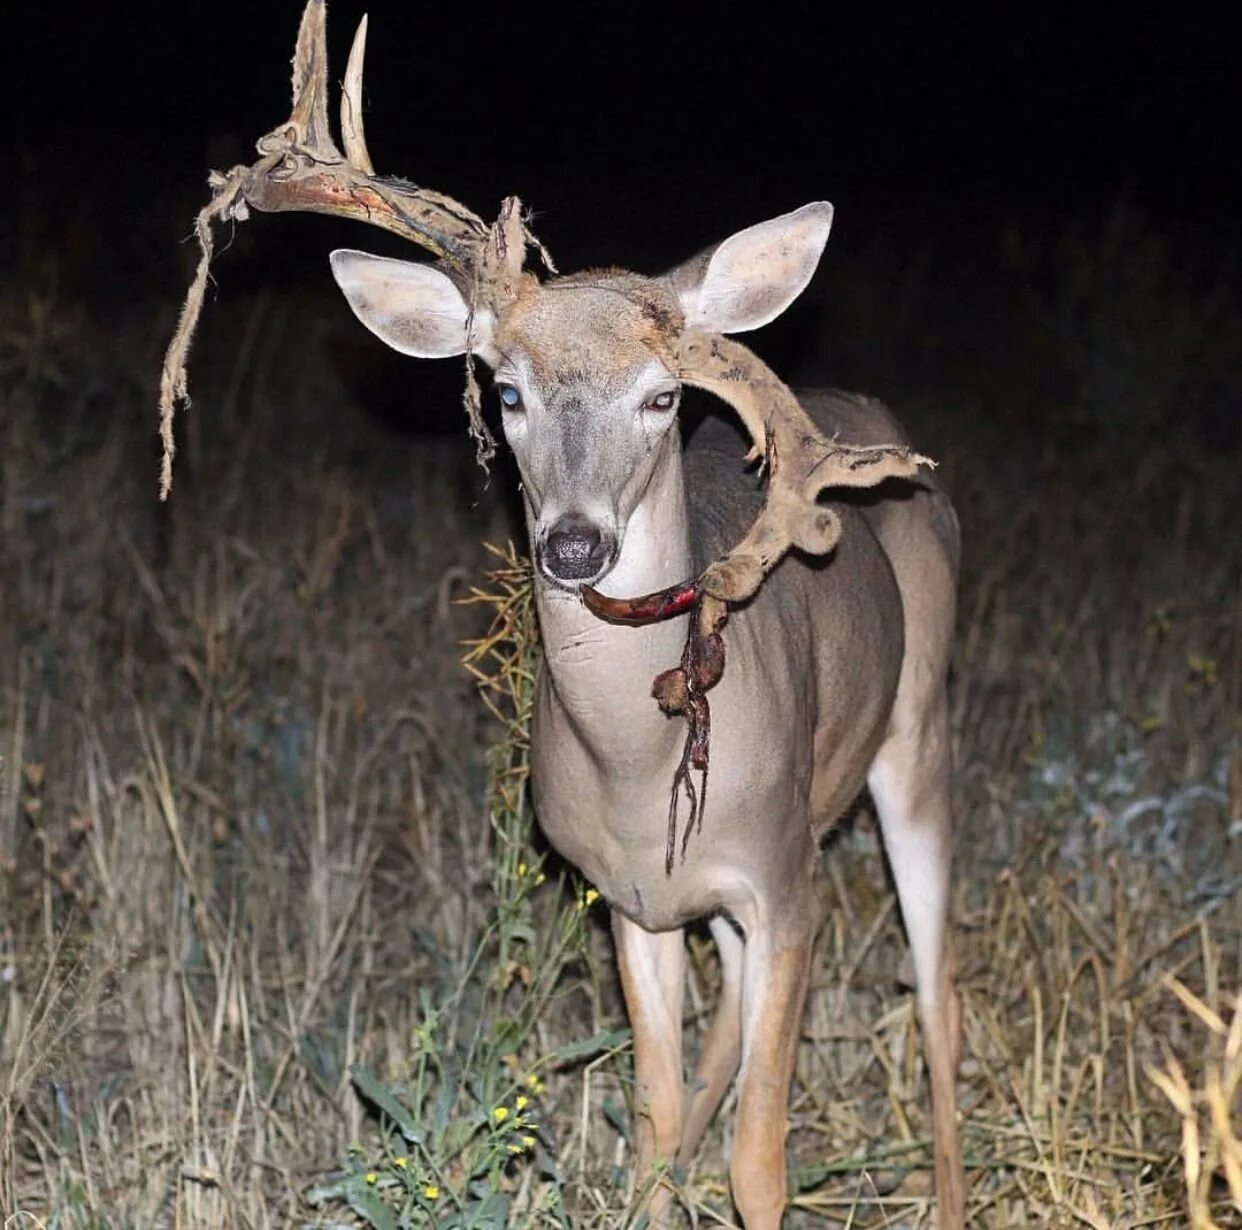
{"x": 596, "y": 678}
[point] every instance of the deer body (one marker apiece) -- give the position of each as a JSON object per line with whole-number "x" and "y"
{"x": 835, "y": 675}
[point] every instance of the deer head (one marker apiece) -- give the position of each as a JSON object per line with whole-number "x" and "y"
{"x": 589, "y": 368}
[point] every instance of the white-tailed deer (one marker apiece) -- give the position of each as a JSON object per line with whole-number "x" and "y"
{"x": 837, "y": 651}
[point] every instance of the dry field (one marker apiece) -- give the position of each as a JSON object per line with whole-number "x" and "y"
{"x": 277, "y": 939}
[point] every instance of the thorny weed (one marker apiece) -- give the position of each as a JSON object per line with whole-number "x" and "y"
{"x": 462, "y": 1144}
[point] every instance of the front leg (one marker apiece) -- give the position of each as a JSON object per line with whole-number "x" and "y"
{"x": 779, "y": 942}
{"x": 653, "y": 967}
{"x": 722, "y": 1048}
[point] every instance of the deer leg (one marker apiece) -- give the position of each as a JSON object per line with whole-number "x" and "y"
{"x": 910, "y": 784}
{"x": 722, "y": 1048}
{"x": 776, "y": 970}
{"x": 653, "y": 968}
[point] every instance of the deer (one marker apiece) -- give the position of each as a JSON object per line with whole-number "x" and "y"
{"x": 819, "y": 612}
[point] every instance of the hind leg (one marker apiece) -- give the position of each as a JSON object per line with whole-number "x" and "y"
{"x": 909, "y": 781}
{"x": 722, "y": 1048}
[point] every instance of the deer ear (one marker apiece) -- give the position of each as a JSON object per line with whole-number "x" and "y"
{"x": 753, "y": 276}
{"x": 415, "y": 308}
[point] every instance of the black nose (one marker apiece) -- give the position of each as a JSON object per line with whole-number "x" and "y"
{"x": 575, "y": 549}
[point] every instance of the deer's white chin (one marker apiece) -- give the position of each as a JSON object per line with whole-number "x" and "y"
{"x": 572, "y": 585}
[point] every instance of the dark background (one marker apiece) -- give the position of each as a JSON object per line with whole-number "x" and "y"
{"x": 638, "y": 134}
{"x": 644, "y": 129}
{"x": 654, "y": 119}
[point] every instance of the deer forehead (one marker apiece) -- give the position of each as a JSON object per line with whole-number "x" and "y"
{"x": 608, "y": 326}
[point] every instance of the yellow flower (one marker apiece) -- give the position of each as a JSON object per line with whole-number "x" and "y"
{"x": 372, "y": 1178}
{"x": 500, "y": 1114}
{"x": 1203, "y": 667}
{"x": 515, "y": 1148}
{"x": 521, "y": 1101}
{"x": 522, "y": 869}
{"x": 539, "y": 879}
{"x": 431, "y": 1192}
{"x": 534, "y": 1084}
{"x": 528, "y": 1141}
{"x": 401, "y": 1162}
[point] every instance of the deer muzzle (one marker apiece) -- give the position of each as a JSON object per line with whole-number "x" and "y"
{"x": 576, "y": 550}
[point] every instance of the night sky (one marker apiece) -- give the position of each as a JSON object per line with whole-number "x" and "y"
{"x": 641, "y": 132}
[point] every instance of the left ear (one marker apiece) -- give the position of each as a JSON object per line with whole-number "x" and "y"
{"x": 753, "y": 276}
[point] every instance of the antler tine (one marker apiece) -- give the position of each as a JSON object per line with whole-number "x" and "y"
{"x": 352, "y": 135}
{"x": 309, "y": 118}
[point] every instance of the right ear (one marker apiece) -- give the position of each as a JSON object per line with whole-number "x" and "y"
{"x": 415, "y": 308}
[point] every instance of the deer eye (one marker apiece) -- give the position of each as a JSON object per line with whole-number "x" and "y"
{"x": 510, "y": 398}
{"x": 662, "y": 402}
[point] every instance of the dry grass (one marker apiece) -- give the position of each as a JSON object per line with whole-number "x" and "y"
{"x": 247, "y": 832}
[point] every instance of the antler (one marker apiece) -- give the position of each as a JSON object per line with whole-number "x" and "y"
{"x": 801, "y": 463}
{"x": 301, "y": 168}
